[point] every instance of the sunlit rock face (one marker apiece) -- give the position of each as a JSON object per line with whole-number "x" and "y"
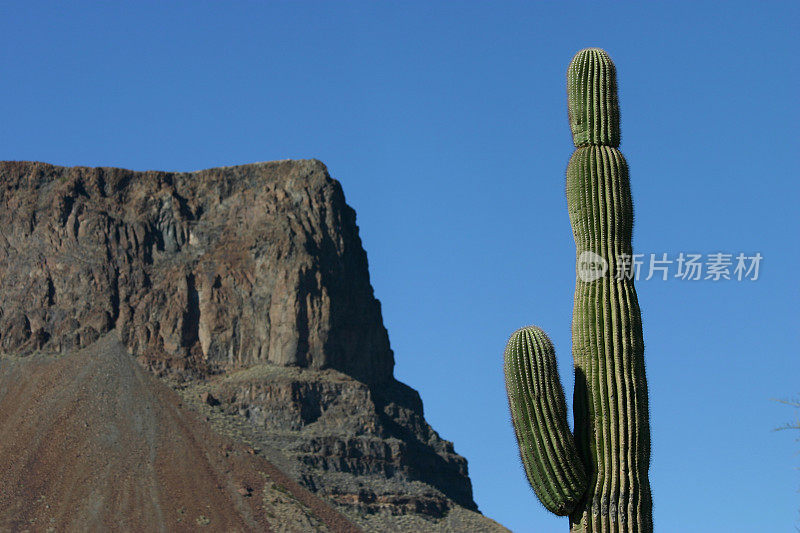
{"x": 199, "y": 272}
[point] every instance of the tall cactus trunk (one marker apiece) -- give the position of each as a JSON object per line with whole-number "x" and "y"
{"x": 612, "y": 432}
{"x": 612, "y": 429}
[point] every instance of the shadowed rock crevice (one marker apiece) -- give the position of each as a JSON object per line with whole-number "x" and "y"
{"x": 191, "y": 319}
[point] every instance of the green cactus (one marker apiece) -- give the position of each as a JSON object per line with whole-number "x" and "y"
{"x": 611, "y": 443}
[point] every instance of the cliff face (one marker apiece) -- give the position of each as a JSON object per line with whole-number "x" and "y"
{"x": 199, "y": 272}
{"x": 246, "y": 287}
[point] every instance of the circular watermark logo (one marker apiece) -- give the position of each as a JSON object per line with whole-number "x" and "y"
{"x": 591, "y": 266}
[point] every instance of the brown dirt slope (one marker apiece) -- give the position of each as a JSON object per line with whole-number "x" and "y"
{"x": 91, "y": 442}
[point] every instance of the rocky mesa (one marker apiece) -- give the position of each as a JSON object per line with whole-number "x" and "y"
{"x": 247, "y": 290}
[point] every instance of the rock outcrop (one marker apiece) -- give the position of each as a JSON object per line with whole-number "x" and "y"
{"x": 200, "y": 271}
{"x": 247, "y": 288}
{"x": 358, "y": 446}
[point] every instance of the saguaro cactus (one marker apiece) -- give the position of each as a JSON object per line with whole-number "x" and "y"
{"x": 598, "y": 475}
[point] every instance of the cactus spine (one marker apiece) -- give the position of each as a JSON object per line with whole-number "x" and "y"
{"x": 612, "y": 432}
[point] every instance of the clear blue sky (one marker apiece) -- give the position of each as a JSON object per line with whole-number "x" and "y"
{"x": 446, "y": 124}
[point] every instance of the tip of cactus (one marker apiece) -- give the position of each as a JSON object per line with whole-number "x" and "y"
{"x": 530, "y": 328}
{"x": 530, "y": 331}
{"x": 592, "y": 98}
{"x": 590, "y": 54}
{"x": 591, "y": 50}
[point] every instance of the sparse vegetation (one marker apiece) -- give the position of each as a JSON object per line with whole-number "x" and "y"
{"x": 794, "y": 425}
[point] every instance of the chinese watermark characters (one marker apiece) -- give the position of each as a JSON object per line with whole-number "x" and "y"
{"x": 717, "y": 266}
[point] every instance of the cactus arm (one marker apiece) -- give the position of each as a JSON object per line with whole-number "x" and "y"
{"x": 539, "y": 415}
